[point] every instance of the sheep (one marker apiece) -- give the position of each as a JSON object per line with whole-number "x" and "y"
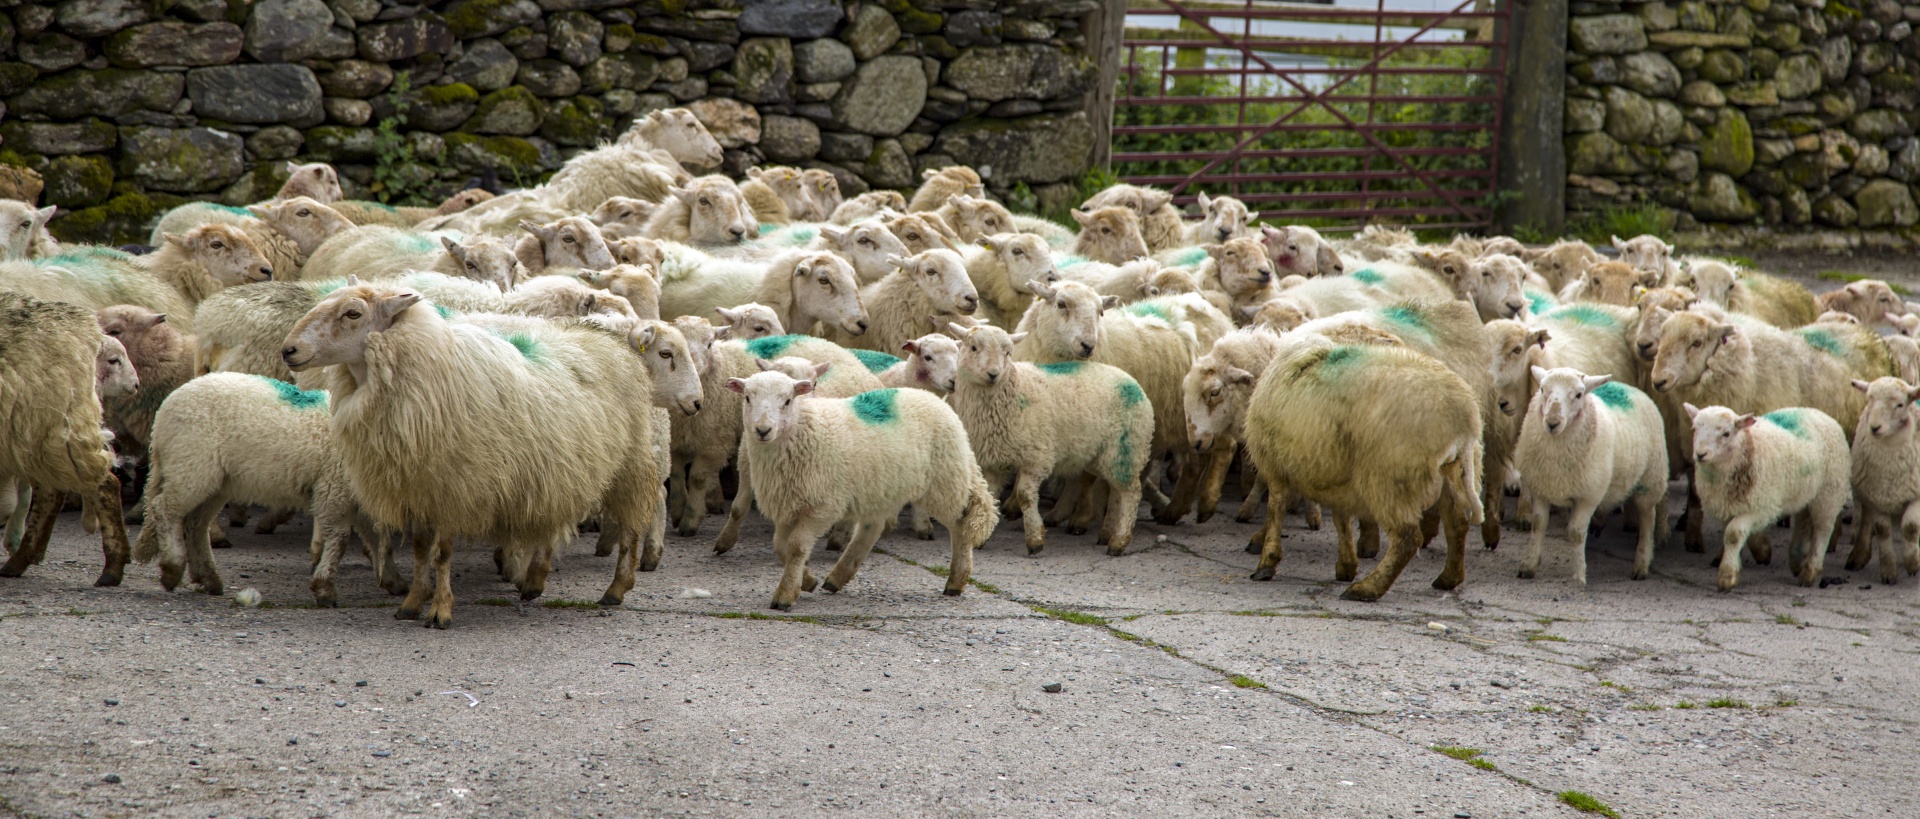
{"x": 928, "y": 284}
{"x": 229, "y": 437}
{"x": 823, "y": 190}
{"x": 708, "y": 211}
{"x": 816, "y": 461}
{"x": 1906, "y": 357}
{"x": 1779, "y": 302}
{"x": 1562, "y": 262}
{"x": 801, "y": 286}
{"x": 971, "y": 218}
{"x": 1500, "y": 245}
{"x": 777, "y": 195}
{"x": 93, "y": 283}
{"x": 376, "y": 252}
{"x": 1322, "y": 422}
{"x": 1872, "y": 301}
{"x": 917, "y": 233}
{"x": 1214, "y": 394}
{"x": 1652, "y": 308}
{"x": 1241, "y": 269}
{"x": 676, "y": 131}
{"x": 113, "y": 372}
{"x": 623, "y": 216}
{"x": 1001, "y": 267}
{"x": 1067, "y": 418}
{"x": 1591, "y": 443}
{"x": 1647, "y": 254}
{"x": 868, "y": 247}
{"x": 1609, "y": 283}
{"x": 454, "y": 430}
{"x": 1495, "y": 284}
{"x": 1221, "y": 219}
{"x": 1756, "y": 469}
{"x": 749, "y": 321}
{"x": 1110, "y": 235}
{"x": 847, "y": 382}
{"x": 572, "y": 242}
{"x": 942, "y": 184}
{"x": 55, "y": 443}
{"x": 1161, "y": 227}
{"x": 481, "y": 258}
{"x": 1136, "y": 280}
{"x": 1885, "y": 466}
{"x": 1586, "y": 337}
{"x": 288, "y": 232}
{"x": 1300, "y": 251}
{"x": 23, "y": 231}
{"x": 205, "y": 260}
{"x": 931, "y": 364}
{"x": 315, "y": 180}
{"x": 638, "y": 284}
{"x": 866, "y": 206}
{"x": 1377, "y": 242}
{"x": 161, "y": 355}
{"x": 1374, "y": 285}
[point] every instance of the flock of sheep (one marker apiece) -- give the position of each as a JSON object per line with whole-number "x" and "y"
{"x": 596, "y": 352}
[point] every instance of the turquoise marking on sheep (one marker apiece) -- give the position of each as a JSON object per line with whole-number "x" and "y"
{"x": 295, "y": 397}
{"x": 1368, "y": 275}
{"x": 444, "y": 311}
{"x": 1791, "y": 420}
{"x": 1062, "y": 367}
{"x": 82, "y": 255}
{"x": 771, "y": 347}
{"x": 1587, "y": 314}
{"x": 874, "y": 360}
{"x": 1406, "y": 318}
{"x": 416, "y": 243}
{"x": 529, "y": 349}
{"x": 768, "y": 227}
{"x": 1150, "y": 309}
{"x": 1071, "y": 261}
{"x": 1188, "y": 257}
{"x": 1130, "y": 394}
{"x": 1617, "y": 396}
{"x": 1123, "y": 468}
{"x": 376, "y": 205}
{"x": 237, "y": 211}
{"x": 1538, "y": 302}
{"x": 1822, "y": 340}
{"x": 1340, "y": 360}
{"x": 323, "y": 289}
{"x": 801, "y": 236}
{"x": 875, "y": 406}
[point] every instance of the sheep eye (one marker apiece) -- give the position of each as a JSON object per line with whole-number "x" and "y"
{"x": 928, "y": 358}
{"x": 789, "y": 403}
{"x": 303, "y": 212}
{"x": 26, "y": 224}
{"x": 1019, "y": 253}
{"x": 666, "y": 354}
{"x": 703, "y": 201}
{"x": 472, "y": 266}
{"x": 114, "y": 332}
{"x": 826, "y": 283}
{"x": 972, "y": 349}
{"x": 567, "y": 239}
{"x": 353, "y": 314}
{"x": 1696, "y": 344}
{"x": 1106, "y": 230}
{"x": 218, "y": 245}
{"x": 865, "y": 242}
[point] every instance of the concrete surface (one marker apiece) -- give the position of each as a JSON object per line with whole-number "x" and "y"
{"x": 891, "y": 700}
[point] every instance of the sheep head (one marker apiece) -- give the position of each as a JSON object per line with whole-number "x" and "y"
{"x": 227, "y": 253}
{"x": 337, "y": 329}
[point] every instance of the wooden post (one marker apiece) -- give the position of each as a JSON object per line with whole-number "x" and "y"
{"x": 1104, "y": 27}
{"x": 1533, "y": 160}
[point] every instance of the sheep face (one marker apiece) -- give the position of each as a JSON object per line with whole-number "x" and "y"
{"x": 623, "y": 216}
{"x": 669, "y": 359}
{"x": 935, "y": 359}
{"x": 1889, "y": 408}
{"x": 609, "y": 306}
{"x": 315, "y": 180}
{"x": 335, "y": 331}
{"x": 1501, "y": 244}
{"x": 1300, "y": 251}
{"x": 825, "y": 288}
{"x": 1452, "y": 266}
{"x": 1140, "y": 200}
{"x": 790, "y": 186}
{"x": 1068, "y": 316}
{"x": 303, "y": 219}
{"x": 868, "y": 246}
{"x": 19, "y": 224}
{"x": 1651, "y": 323}
{"x": 1025, "y": 257}
{"x": 1719, "y": 434}
{"x": 986, "y": 354}
{"x": 1563, "y": 261}
{"x": 226, "y": 252}
{"x": 823, "y": 191}
{"x": 134, "y": 327}
{"x": 1687, "y": 342}
{"x": 916, "y": 234}
{"x": 572, "y": 242}
{"x": 484, "y": 259}
{"x": 1495, "y": 286}
{"x": 462, "y": 200}
{"x": 637, "y": 250}
{"x": 1872, "y": 301}
{"x": 1906, "y": 357}
{"x": 770, "y": 403}
{"x": 750, "y": 321}
{"x": 1713, "y": 281}
{"x": 716, "y": 212}
{"x": 1110, "y": 235}
{"x": 972, "y": 218}
{"x": 1214, "y": 394}
{"x": 1223, "y": 218}
{"x": 699, "y": 336}
{"x": 678, "y": 132}
{"x": 1513, "y": 346}
{"x": 1242, "y": 265}
{"x": 1645, "y": 253}
{"x": 942, "y": 276}
{"x": 113, "y": 370}
{"x": 1562, "y": 399}
{"x": 1614, "y": 283}
{"x": 1171, "y": 281}
{"x": 638, "y": 284}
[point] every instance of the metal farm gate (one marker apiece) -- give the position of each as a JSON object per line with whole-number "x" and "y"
{"x": 1328, "y": 115}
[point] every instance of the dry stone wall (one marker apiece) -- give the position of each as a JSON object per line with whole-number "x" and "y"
{"x": 1756, "y": 112}
{"x": 127, "y": 107}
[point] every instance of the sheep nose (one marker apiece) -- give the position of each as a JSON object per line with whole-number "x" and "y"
{"x": 993, "y": 377}
{"x": 1514, "y": 307}
{"x": 266, "y": 272}
{"x": 1700, "y": 456}
{"x": 971, "y": 304}
{"x": 1200, "y": 444}
{"x": 1225, "y": 234}
{"x": 1876, "y": 429}
{"x": 737, "y": 232}
{"x": 862, "y": 324}
{"x": 763, "y": 432}
{"x": 1646, "y": 350}
{"x": 1662, "y": 384}
{"x": 1085, "y": 349}
{"x": 1553, "y": 426}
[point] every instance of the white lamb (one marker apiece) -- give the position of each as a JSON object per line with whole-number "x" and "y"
{"x": 748, "y": 322}
{"x": 1590, "y": 443}
{"x": 1001, "y": 267}
{"x": 709, "y": 210}
{"x": 1215, "y": 394}
{"x": 23, "y": 231}
{"x": 1886, "y": 479}
{"x": 1754, "y": 470}
{"x": 817, "y": 461}
{"x": 803, "y": 287}
{"x": 1221, "y": 218}
{"x": 572, "y": 243}
{"x": 933, "y": 283}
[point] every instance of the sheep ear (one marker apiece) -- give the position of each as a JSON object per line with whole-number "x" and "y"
{"x": 174, "y": 239}
{"x": 1745, "y": 421}
{"x": 835, "y": 235}
{"x": 1617, "y": 244}
{"x": 1271, "y": 232}
{"x": 820, "y": 369}
{"x": 957, "y": 331}
{"x": 1040, "y": 289}
{"x": 929, "y": 173}
{"x": 730, "y": 315}
{"x": 1727, "y": 331}
{"x": 1155, "y": 200}
{"x": 453, "y": 248}
{"x": 1912, "y": 392}
{"x": 802, "y": 387}
{"x": 644, "y": 338}
{"x": 763, "y": 364}
{"x": 586, "y": 275}
{"x": 722, "y": 333}
{"x": 388, "y": 308}
{"x": 682, "y": 194}
{"x": 1860, "y": 385}
{"x": 1080, "y": 216}
{"x": 1539, "y": 372}
{"x": 1539, "y": 337}
{"x": 260, "y": 211}
{"x": 1251, "y": 216}
{"x": 537, "y": 229}
{"x": 754, "y": 173}
{"x": 46, "y": 213}
{"x": 158, "y": 318}
{"x": 1691, "y": 410}
{"x": 1017, "y": 337}
{"x": 901, "y": 262}
{"x": 352, "y": 280}
{"x": 910, "y": 347}
{"x": 1110, "y": 303}
{"x": 1329, "y": 262}
{"x": 1213, "y": 251}
{"x": 737, "y": 385}
{"x": 1235, "y": 375}
{"x": 1203, "y": 202}
{"x": 1594, "y": 381}
{"x": 987, "y": 242}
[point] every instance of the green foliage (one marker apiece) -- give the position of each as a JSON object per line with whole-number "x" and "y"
{"x": 1539, "y": 709}
{"x": 1684, "y": 705}
{"x": 1626, "y": 222}
{"x": 1071, "y": 616}
{"x": 1482, "y": 764}
{"x": 1727, "y": 702}
{"x": 1587, "y": 804}
{"x": 1457, "y": 752}
{"x": 399, "y": 175}
{"x": 1244, "y": 681}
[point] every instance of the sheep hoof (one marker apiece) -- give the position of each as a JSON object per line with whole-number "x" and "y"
{"x": 951, "y": 592}
{"x": 1245, "y": 517}
{"x": 1076, "y": 529}
{"x": 1446, "y": 583}
{"x": 438, "y": 621}
{"x": 108, "y": 579}
{"x": 1253, "y": 547}
{"x": 1116, "y": 551}
{"x": 603, "y": 550}
{"x": 10, "y": 571}
{"x": 687, "y": 529}
{"x": 1809, "y": 577}
{"x": 1360, "y": 594}
{"x": 529, "y": 594}
{"x": 404, "y": 613}
{"x": 779, "y": 606}
{"x": 1262, "y": 573}
{"x": 830, "y": 587}
{"x": 1169, "y": 517}
{"x": 1639, "y": 574}
{"x": 1202, "y": 515}
{"x": 1855, "y": 565}
{"x": 213, "y": 589}
{"x": 649, "y": 565}
{"x": 1526, "y": 574}
{"x": 608, "y": 601}
{"x": 926, "y": 535}
{"x": 1034, "y": 548}
{"x": 222, "y": 543}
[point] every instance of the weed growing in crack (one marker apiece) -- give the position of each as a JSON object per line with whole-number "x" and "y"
{"x": 1587, "y": 804}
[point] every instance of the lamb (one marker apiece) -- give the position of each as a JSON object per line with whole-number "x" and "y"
{"x": 315, "y": 180}
{"x": 1160, "y": 224}
{"x": 1110, "y": 235}
{"x": 1241, "y": 269}
{"x": 1779, "y": 302}
{"x": 161, "y": 355}
{"x": 943, "y": 184}
{"x": 1872, "y": 301}
{"x": 1591, "y": 443}
{"x": 1221, "y": 219}
{"x": 869, "y": 247}
{"x": 1001, "y": 267}
{"x": 1885, "y": 463}
{"x": 228, "y": 437}
{"x": 638, "y": 284}
{"x": 498, "y": 445}
{"x": 749, "y": 321}
{"x": 916, "y": 233}
{"x": 866, "y": 206}
{"x": 55, "y": 444}
{"x": 23, "y": 231}
{"x": 1562, "y": 262}
{"x": 1586, "y": 337}
{"x": 1609, "y": 283}
{"x": 930, "y": 284}
{"x": 289, "y": 232}
{"x": 709, "y": 211}
{"x": 817, "y": 461}
{"x": 932, "y": 363}
{"x": 573, "y": 242}
{"x": 1754, "y": 470}
{"x": 1300, "y": 251}
{"x": 777, "y": 195}
{"x": 1067, "y": 418}
{"x": 1647, "y": 254}
{"x": 1319, "y": 423}
{"x": 1906, "y": 357}
{"x": 803, "y": 287}
{"x": 113, "y": 372}
{"x": 823, "y": 190}
{"x": 623, "y": 216}
{"x": 972, "y": 218}
{"x": 1214, "y": 394}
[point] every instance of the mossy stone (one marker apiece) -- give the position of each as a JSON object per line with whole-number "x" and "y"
{"x": 15, "y": 77}
{"x": 913, "y": 20}
{"x": 514, "y": 158}
{"x": 125, "y": 219}
{"x": 1728, "y": 145}
{"x": 576, "y": 121}
{"x": 334, "y": 143}
{"x": 78, "y": 181}
{"x": 513, "y": 110}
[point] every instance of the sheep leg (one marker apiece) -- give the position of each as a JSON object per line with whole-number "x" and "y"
{"x": 656, "y": 541}
{"x": 1733, "y": 541}
{"x": 703, "y": 477}
{"x": 218, "y": 536}
{"x": 623, "y": 570}
{"x": 1157, "y": 501}
{"x": 113, "y": 532}
{"x": 172, "y": 537}
{"x": 1212, "y": 482}
{"x": 1256, "y": 494}
{"x": 421, "y": 590}
{"x": 1494, "y": 498}
{"x": 1369, "y": 539}
{"x": 1429, "y": 526}
{"x": 1761, "y": 547}
{"x": 440, "y": 614}
{"x": 1821, "y": 524}
{"x": 792, "y": 545}
{"x": 1696, "y": 539}
{"x": 1072, "y": 490}
{"x": 609, "y": 540}
{"x": 676, "y": 489}
{"x": 1092, "y": 502}
{"x": 856, "y": 553}
{"x": 386, "y": 574}
{"x": 532, "y": 581}
{"x": 1577, "y": 523}
{"x": 716, "y": 497}
{"x": 196, "y": 549}
{"x": 1453, "y": 519}
{"x": 1310, "y": 515}
{"x": 1123, "y": 506}
{"x": 1270, "y": 551}
{"x": 89, "y": 516}
{"x": 1864, "y": 535}
{"x": 730, "y": 533}
{"x": 1186, "y": 482}
{"x": 839, "y": 536}
{"x": 42, "y": 514}
{"x": 1346, "y": 563}
{"x": 1402, "y": 543}
{"x": 1648, "y": 511}
{"x": 1909, "y": 543}
{"x": 237, "y": 515}
{"x": 1530, "y": 562}
{"x": 1026, "y": 498}
{"x": 272, "y": 520}
{"x": 331, "y": 538}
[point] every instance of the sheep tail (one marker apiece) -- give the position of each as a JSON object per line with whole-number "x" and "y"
{"x": 146, "y": 546}
{"x": 1463, "y": 480}
{"x": 982, "y": 514}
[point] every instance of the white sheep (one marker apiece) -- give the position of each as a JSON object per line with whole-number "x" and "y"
{"x": 1241, "y": 269}
{"x": 1647, "y": 254}
{"x": 1586, "y": 336}
{"x": 933, "y": 283}
{"x": 501, "y": 440}
{"x": 1214, "y": 394}
{"x": 942, "y": 184}
{"x": 823, "y": 190}
{"x": 1754, "y": 470}
{"x": 113, "y": 372}
{"x": 1613, "y": 283}
{"x": 1780, "y": 302}
{"x": 1301, "y": 251}
{"x": 1562, "y": 262}
{"x": 676, "y": 131}
{"x": 623, "y": 216}
{"x": 638, "y": 284}
{"x": 375, "y": 252}
{"x": 817, "y": 461}
{"x": 1001, "y": 267}
{"x": 708, "y": 211}
{"x": 868, "y": 247}
{"x": 971, "y": 218}
{"x": 288, "y": 232}
{"x": 1066, "y": 418}
{"x": 867, "y": 206}
{"x": 1906, "y": 357}
{"x": 803, "y": 287}
{"x": 918, "y": 233}
{"x": 1872, "y": 301}
{"x": 1886, "y": 479}
{"x": 23, "y": 231}
{"x": 748, "y": 322}
{"x": 1222, "y": 218}
{"x": 1110, "y": 234}
{"x": 1160, "y": 224}
{"x": 570, "y": 243}
{"x": 931, "y": 364}
{"x": 1590, "y": 443}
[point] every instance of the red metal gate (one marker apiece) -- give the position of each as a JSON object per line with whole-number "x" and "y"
{"x": 1327, "y": 115}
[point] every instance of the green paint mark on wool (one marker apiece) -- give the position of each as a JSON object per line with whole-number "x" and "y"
{"x": 801, "y": 236}
{"x": 1130, "y": 394}
{"x": 1822, "y": 340}
{"x": 1406, "y": 317}
{"x": 1123, "y": 455}
{"x": 237, "y": 211}
{"x": 1062, "y": 367}
{"x": 84, "y": 253}
{"x": 875, "y": 406}
{"x": 295, "y": 397}
{"x": 1340, "y": 360}
{"x": 1615, "y": 395}
{"x": 1071, "y": 261}
{"x": 1538, "y": 302}
{"x": 1188, "y": 257}
{"x": 874, "y": 360}
{"x": 1587, "y": 314}
{"x": 416, "y": 243}
{"x": 1368, "y": 275}
{"x": 376, "y": 205}
{"x": 1150, "y": 309}
{"x": 529, "y": 349}
{"x": 325, "y": 288}
{"x": 1792, "y": 420}
{"x": 444, "y": 311}
{"x": 774, "y": 346}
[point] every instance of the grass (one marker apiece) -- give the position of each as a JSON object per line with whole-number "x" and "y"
{"x": 1615, "y": 686}
{"x": 1725, "y": 702}
{"x": 1075, "y": 617}
{"x": 1643, "y": 706}
{"x": 1587, "y": 804}
{"x": 1786, "y": 703}
{"x": 1456, "y": 752}
{"x": 1785, "y": 620}
{"x": 1684, "y": 705}
{"x": 1482, "y": 764}
{"x": 754, "y": 615}
{"x": 73, "y": 612}
{"x": 564, "y": 603}
{"x": 1244, "y": 681}
{"x": 985, "y": 586}
{"x": 1539, "y": 709}
{"x": 1626, "y": 222}
{"x": 1545, "y": 638}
